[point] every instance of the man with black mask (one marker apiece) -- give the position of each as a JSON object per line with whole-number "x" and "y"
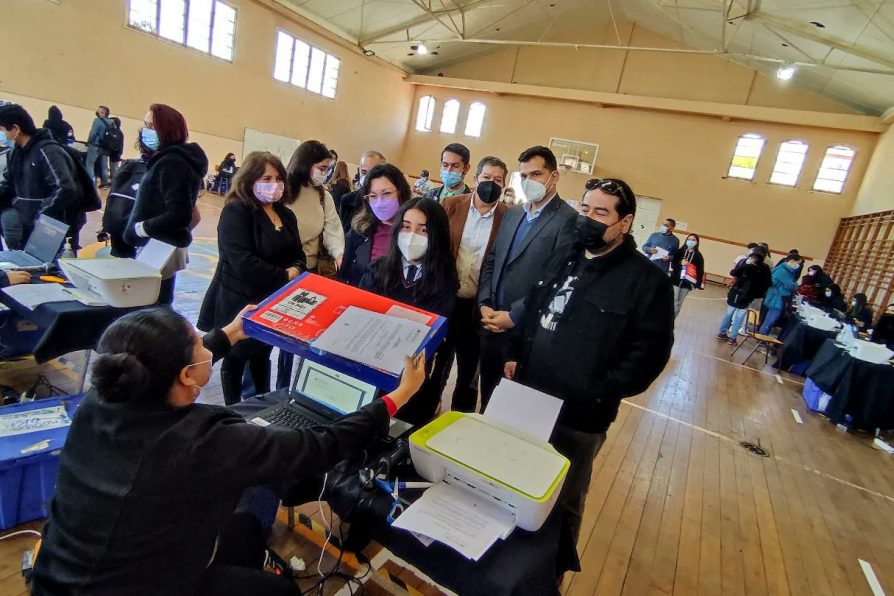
{"x": 474, "y": 220}
{"x": 597, "y": 329}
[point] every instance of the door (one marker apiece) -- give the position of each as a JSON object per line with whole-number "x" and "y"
{"x": 646, "y": 220}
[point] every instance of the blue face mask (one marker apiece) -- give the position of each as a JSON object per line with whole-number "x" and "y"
{"x": 6, "y": 141}
{"x": 663, "y": 229}
{"x": 450, "y": 179}
{"x": 691, "y": 243}
{"x": 149, "y": 138}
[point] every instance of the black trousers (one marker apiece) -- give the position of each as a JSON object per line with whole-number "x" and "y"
{"x": 464, "y": 343}
{"x": 494, "y": 349}
{"x": 166, "y": 291}
{"x": 249, "y": 353}
{"x": 238, "y": 567}
{"x": 580, "y": 448}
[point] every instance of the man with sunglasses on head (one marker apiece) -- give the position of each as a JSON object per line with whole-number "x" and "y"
{"x": 597, "y": 327}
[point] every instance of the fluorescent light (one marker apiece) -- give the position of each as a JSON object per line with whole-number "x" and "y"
{"x": 421, "y": 49}
{"x": 785, "y": 72}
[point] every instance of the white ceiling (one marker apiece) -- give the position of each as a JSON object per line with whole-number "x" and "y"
{"x": 850, "y": 59}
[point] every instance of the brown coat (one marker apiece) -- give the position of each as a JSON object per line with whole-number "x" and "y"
{"x": 457, "y": 209}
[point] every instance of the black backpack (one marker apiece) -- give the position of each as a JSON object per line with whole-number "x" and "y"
{"x": 112, "y": 140}
{"x": 90, "y": 200}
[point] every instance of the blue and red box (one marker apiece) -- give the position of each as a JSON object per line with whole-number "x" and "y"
{"x": 315, "y": 303}
{"x": 28, "y": 480}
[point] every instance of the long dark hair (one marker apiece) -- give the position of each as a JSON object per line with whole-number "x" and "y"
{"x": 365, "y": 219}
{"x": 140, "y": 356}
{"x": 698, "y": 243}
{"x": 438, "y": 265}
{"x": 306, "y": 155}
{"x": 54, "y": 114}
{"x": 253, "y": 167}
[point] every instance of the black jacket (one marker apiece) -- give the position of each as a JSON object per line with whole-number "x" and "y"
{"x": 552, "y": 234}
{"x": 167, "y": 195}
{"x": 752, "y": 282}
{"x": 339, "y": 189}
{"x": 612, "y": 340}
{"x": 119, "y": 205}
{"x": 677, "y": 266}
{"x": 142, "y": 492}
{"x": 254, "y": 257}
{"x": 42, "y": 177}
{"x": 350, "y": 205}
{"x": 60, "y": 129}
{"x": 884, "y": 330}
{"x": 357, "y": 259}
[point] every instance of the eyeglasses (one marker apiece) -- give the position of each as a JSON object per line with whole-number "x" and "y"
{"x": 609, "y": 187}
{"x": 387, "y": 196}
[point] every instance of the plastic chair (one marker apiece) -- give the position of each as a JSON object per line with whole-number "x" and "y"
{"x": 751, "y": 327}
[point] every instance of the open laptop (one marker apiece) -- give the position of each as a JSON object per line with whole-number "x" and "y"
{"x": 319, "y": 395}
{"x": 42, "y": 247}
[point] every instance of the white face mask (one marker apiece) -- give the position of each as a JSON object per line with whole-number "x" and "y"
{"x": 317, "y": 177}
{"x": 412, "y": 246}
{"x": 533, "y": 190}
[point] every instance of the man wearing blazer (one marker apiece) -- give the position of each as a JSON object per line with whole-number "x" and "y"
{"x": 474, "y": 220}
{"x": 529, "y": 235}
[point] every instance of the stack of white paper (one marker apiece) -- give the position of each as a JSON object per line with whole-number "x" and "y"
{"x": 660, "y": 254}
{"x": 373, "y": 339}
{"x": 33, "y": 295}
{"x": 526, "y": 409}
{"x": 466, "y": 523}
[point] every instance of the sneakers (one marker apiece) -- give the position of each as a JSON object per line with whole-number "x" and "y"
{"x": 732, "y": 341}
{"x": 722, "y": 336}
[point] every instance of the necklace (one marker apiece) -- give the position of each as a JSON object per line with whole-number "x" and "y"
{"x": 274, "y": 219}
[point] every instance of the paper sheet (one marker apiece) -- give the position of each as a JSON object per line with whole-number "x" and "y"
{"x": 20, "y": 423}
{"x": 373, "y": 339}
{"x": 661, "y": 254}
{"x": 466, "y": 523}
{"x": 524, "y": 408}
{"x": 33, "y": 295}
{"x": 156, "y": 254}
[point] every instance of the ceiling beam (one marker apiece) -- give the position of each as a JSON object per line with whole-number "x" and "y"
{"x": 808, "y": 32}
{"x": 423, "y": 19}
{"x": 436, "y": 16}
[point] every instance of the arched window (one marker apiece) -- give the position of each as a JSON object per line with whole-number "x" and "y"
{"x": 475, "y": 121}
{"x": 789, "y": 162}
{"x": 834, "y": 169}
{"x": 745, "y": 157}
{"x": 449, "y": 116}
{"x": 425, "y": 114}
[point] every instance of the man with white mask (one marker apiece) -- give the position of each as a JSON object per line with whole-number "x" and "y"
{"x": 530, "y": 234}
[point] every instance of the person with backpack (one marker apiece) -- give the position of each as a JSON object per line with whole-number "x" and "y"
{"x": 119, "y": 204}
{"x": 101, "y": 143}
{"x": 42, "y": 177}
{"x": 752, "y": 281}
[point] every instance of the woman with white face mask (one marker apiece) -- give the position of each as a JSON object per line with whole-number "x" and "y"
{"x": 687, "y": 271}
{"x": 418, "y": 270}
{"x": 260, "y": 251}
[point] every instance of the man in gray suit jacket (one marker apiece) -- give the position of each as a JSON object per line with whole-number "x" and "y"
{"x": 529, "y": 236}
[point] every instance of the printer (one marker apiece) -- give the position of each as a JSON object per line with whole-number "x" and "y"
{"x": 495, "y": 461}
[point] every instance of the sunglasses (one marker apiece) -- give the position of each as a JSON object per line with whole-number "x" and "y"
{"x": 609, "y": 187}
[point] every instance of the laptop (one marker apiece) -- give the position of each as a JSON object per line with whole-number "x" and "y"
{"x": 42, "y": 247}
{"x": 319, "y": 395}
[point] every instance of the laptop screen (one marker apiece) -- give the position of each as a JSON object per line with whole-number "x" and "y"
{"x": 45, "y": 240}
{"x": 333, "y": 389}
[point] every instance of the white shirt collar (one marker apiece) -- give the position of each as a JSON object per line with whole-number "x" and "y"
{"x": 473, "y": 208}
{"x": 535, "y": 214}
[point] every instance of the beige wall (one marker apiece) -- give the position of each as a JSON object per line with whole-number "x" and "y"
{"x": 679, "y": 158}
{"x": 677, "y": 76}
{"x": 877, "y": 190}
{"x": 79, "y": 53}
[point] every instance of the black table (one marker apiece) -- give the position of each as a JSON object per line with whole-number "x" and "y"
{"x": 800, "y": 342}
{"x": 66, "y": 326}
{"x": 862, "y": 390}
{"x": 524, "y": 563}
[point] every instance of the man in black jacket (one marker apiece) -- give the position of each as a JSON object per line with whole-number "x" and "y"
{"x": 351, "y": 202}
{"x": 597, "y": 328}
{"x": 41, "y": 178}
{"x": 528, "y": 237}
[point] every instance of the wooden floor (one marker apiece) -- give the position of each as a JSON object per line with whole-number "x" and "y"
{"x": 676, "y": 506}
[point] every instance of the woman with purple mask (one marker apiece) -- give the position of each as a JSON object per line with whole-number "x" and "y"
{"x": 260, "y": 251}
{"x": 385, "y": 189}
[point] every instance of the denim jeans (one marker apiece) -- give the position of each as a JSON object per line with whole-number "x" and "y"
{"x": 773, "y": 315}
{"x": 679, "y": 296}
{"x": 94, "y": 155}
{"x": 15, "y": 233}
{"x": 736, "y": 315}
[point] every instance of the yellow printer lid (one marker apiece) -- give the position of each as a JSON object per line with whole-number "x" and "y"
{"x": 495, "y": 453}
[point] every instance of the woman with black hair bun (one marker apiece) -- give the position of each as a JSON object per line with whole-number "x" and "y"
{"x": 148, "y": 481}
{"x": 418, "y": 270}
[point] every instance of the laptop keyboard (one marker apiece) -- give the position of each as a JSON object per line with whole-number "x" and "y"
{"x": 288, "y": 417}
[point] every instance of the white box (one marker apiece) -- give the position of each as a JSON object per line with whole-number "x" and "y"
{"x": 122, "y": 283}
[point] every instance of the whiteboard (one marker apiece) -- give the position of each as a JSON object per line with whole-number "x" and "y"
{"x": 278, "y": 145}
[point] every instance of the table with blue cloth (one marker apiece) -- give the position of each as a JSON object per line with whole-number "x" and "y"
{"x": 800, "y": 343}
{"x": 65, "y": 326}
{"x": 525, "y": 563}
{"x": 862, "y": 393}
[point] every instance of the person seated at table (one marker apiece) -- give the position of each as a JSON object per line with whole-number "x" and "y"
{"x": 148, "y": 480}
{"x": 784, "y": 283}
{"x": 12, "y": 278}
{"x": 260, "y": 251}
{"x": 832, "y": 301}
{"x": 883, "y": 333}
{"x": 418, "y": 270}
{"x": 859, "y": 313}
{"x": 384, "y": 191}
